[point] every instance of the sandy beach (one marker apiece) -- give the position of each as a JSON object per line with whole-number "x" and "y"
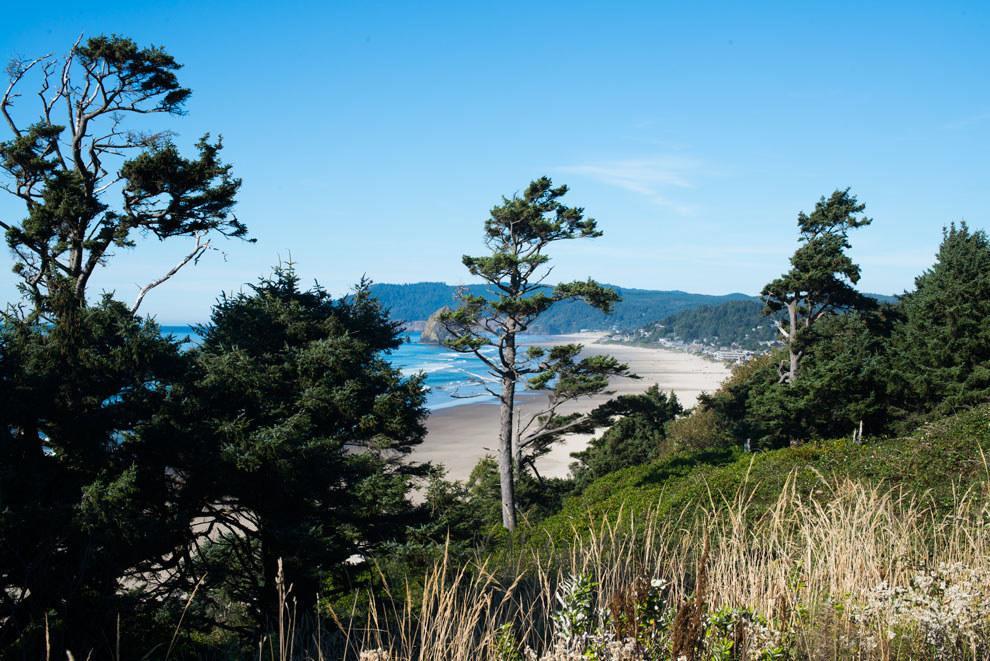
{"x": 459, "y": 436}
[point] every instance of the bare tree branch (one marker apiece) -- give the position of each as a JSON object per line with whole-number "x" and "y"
{"x": 193, "y": 256}
{"x": 780, "y": 327}
{"x": 17, "y": 71}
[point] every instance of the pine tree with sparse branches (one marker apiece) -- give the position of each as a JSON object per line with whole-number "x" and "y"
{"x": 822, "y": 275}
{"x": 518, "y": 233}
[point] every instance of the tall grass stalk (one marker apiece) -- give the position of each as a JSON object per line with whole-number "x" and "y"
{"x": 829, "y": 575}
{"x": 813, "y": 566}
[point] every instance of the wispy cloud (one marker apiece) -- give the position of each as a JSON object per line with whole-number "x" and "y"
{"x": 650, "y": 177}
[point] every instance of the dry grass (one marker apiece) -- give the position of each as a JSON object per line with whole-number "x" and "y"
{"x": 810, "y": 577}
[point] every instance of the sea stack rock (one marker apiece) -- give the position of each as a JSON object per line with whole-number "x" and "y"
{"x": 434, "y": 332}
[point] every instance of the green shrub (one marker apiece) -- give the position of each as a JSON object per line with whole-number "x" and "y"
{"x": 936, "y": 463}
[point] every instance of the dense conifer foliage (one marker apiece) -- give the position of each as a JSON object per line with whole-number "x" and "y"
{"x": 636, "y": 437}
{"x": 91, "y": 491}
{"x": 942, "y": 349}
{"x": 822, "y": 276}
{"x": 88, "y": 499}
{"x": 844, "y": 384}
{"x": 303, "y": 427}
{"x": 135, "y": 474}
{"x": 879, "y": 370}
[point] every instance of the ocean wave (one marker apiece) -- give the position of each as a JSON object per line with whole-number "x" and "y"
{"x": 425, "y": 368}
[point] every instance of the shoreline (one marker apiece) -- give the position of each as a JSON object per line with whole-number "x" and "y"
{"x": 459, "y": 436}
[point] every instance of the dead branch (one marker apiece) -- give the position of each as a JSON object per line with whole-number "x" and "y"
{"x": 197, "y": 252}
{"x": 17, "y": 71}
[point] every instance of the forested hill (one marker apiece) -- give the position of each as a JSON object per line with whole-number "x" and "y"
{"x": 638, "y": 308}
{"x": 733, "y": 323}
{"x": 739, "y": 323}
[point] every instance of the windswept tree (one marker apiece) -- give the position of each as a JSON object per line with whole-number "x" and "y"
{"x": 637, "y": 430}
{"x": 89, "y": 183}
{"x": 91, "y": 496}
{"x": 518, "y": 233}
{"x": 821, "y": 277}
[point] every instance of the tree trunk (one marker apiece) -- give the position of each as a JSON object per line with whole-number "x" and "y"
{"x": 517, "y": 456}
{"x": 506, "y": 418}
{"x": 792, "y": 342}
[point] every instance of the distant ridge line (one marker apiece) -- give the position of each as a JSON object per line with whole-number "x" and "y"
{"x": 415, "y": 302}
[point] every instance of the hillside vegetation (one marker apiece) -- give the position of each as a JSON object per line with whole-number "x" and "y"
{"x": 934, "y": 465}
{"x": 738, "y": 323}
{"x": 829, "y": 500}
{"x": 829, "y": 550}
{"x": 638, "y": 307}
{"x": 731, "y": 324}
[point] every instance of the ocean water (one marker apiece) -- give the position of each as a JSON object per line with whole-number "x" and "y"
{"x": 452, "y": 378}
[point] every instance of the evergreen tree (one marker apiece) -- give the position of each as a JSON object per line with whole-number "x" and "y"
{"x": 821, "y": 277}
{"x": 88, "y": 496}
{"x": 517, "y": 233}
{"x": 89, "y": 183}
{"x": 634, "y": 438}
{"x": 739, "y": 404}
{"x": 303, "y": 425}
{"x": 845, "y": 381}
{"x": 844, "y": 385}
{"x": 943, "y": 347}
{"x": 91, "y": 498}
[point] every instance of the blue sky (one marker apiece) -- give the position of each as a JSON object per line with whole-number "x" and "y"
{"x": 373, "y": 138}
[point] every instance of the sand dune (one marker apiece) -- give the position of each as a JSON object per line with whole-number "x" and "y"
{"x": 461, "y": 435}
